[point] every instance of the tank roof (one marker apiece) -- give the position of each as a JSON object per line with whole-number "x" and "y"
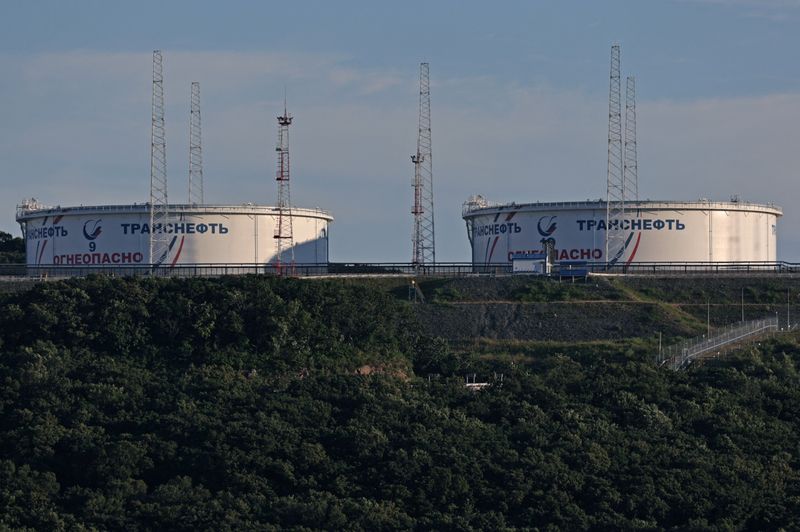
{"x": 478, "y": 205}
{"x": 33, "y": 209}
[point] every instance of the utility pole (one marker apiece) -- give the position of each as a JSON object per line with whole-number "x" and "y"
{"x": 742, "y": 304}
{"x": 159, "y": 204}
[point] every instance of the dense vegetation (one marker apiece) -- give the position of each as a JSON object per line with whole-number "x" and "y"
{"x": 242, "y": 403}
{"x": 12, "y": 249}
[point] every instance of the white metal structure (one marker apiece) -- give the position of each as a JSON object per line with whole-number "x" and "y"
{"x": 654, "y": 231}
{"x": 109, "y": 235}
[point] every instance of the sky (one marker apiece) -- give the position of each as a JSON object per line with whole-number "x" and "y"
{"x": 519, "y": 97}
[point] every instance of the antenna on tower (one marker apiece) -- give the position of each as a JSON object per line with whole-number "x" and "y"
{"x": 284, "y": 237}
{"x": 631, "y": 169}
{"x": 159, "y": 206}
{"x": 195, "y": 149}
{"x": 424, "y": 249}
{"x": 615, "y": 184}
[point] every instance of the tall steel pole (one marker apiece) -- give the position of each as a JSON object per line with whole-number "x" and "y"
{"x": 615, "y": 184}
{"x": 424, "y": 246}
{"x": 284, "y": 237}
{"x": 159, "y": 205}
{"x": 196, "y": 196}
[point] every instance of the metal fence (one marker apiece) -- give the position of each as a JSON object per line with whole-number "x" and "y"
{"x": 441, "y": 269}
{"x": 681, "y": 355}
{"x": 645, "y": 268}
{"x": 454, "y": 269}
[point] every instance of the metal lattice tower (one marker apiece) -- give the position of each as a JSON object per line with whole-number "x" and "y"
{"x": 424, "y": 248}
{"x": 615, "y": 184}
{"x": 195, "y": 149}
{"x": 284, "y": 238}
{"x": 159, "y": 206}
{"x": 631, "y": 169}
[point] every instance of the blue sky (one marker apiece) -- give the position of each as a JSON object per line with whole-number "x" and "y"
{"x": 519, "y": 104}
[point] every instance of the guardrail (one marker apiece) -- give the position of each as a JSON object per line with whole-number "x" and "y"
{"x": 441, "y": 269}
{"x": 681, "y": 355}
{"x": 451, "y": 269}
{"x": 644, "y": 268}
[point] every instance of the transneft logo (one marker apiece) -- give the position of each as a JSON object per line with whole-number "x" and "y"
{"x": 175, "y": 228}
{"x": 636, "y": 224}
{"x": 548, "y": 228}
{"x": 92, "y": 229}
{"x": 36, "y": 233}
{"x": 497, "y": 229}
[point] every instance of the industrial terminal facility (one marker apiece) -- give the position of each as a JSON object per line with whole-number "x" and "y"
{"x": 109, "y": 235}
{"x": 654, "y": 231}
{"x": 622, "y": 229}
{"x": 168, "y": 234}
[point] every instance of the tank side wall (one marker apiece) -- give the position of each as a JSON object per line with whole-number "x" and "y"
{"x": 658, "y": 235}
{"x": 123, "y": 239}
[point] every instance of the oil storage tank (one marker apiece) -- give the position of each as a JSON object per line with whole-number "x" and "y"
{"x": 119, "y": 235}
{"x": 650, "y": 231}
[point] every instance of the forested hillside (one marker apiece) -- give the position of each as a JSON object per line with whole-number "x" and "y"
{"x": 12, "y": 249}
{"x": 243, "y": 403}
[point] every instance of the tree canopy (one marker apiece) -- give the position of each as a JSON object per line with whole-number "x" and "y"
{"x": 240, "y": 403}
{"x": 12, "y": 249}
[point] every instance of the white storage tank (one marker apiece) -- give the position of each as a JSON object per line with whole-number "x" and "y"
{"x": 652, "y": 231}
{"x": 119, "y": 235}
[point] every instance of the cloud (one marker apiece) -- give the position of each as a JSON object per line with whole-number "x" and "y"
{"x": 778, "y": 11}
{"x": 765, "y": 4}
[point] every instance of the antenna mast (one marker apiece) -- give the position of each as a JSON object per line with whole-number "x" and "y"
{"x": 284, "y": 238}
{"x": 615, "y": 185}
{"x": 159, "y": 207}
{"x": 195, "y": 149}
{"x": 631, "y": 170}
{"x": 424, "y": 249}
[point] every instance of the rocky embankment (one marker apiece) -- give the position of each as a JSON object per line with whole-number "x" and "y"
{"x": 534, "y": 309}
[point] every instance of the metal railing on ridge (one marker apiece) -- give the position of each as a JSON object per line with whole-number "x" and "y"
{"x": 441, "y": 269}
{"x": 681, "y": 355}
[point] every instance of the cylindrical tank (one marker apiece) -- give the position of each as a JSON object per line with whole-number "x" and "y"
{"x": 109, "y": 235}
{"x": 651, "y": 231}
